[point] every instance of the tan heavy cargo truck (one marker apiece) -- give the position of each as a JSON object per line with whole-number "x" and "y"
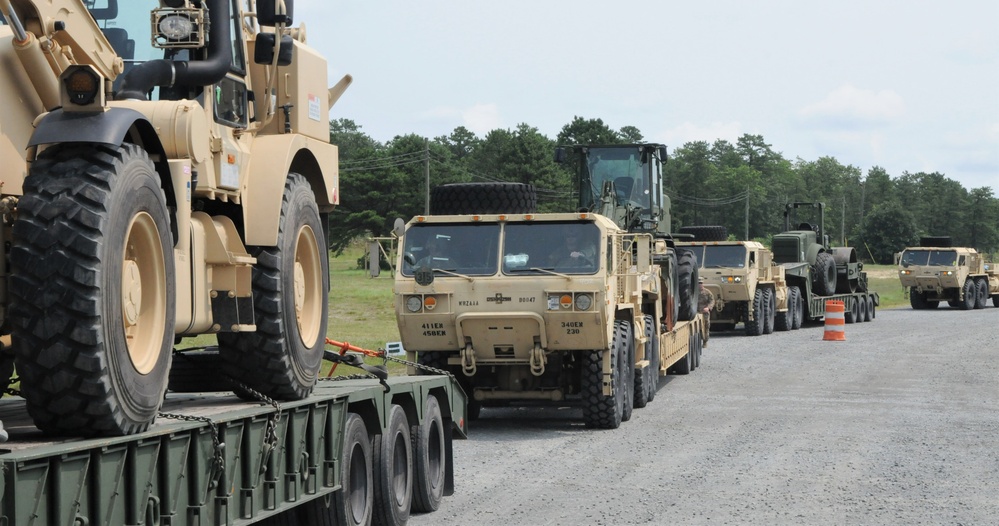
{"x": 167, "y": 173}
{"x": 557, "y": 307}
{"x": 935, "y": 271}
{"x": 748, "y": 287}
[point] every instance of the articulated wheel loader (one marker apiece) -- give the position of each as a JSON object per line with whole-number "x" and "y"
{"x": 166, "y": 173}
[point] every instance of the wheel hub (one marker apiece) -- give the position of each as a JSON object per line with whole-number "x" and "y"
{"x": 131, "y": 292}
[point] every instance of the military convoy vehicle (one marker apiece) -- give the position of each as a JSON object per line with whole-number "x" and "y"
{"x": 936, "y": 271}
{"x": 821, "y": 272}
{"x": 167, "y": 173}
{"x": 748, "y": 287}
{"x": 525, "y": 307}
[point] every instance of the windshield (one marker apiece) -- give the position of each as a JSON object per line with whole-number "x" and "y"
{"x": 623, "y": 167}
{"x": 724, "y": 256}
{"x": 127, "y": 27}
{"x": 935, "y": 258}
{"x": 567, "y": 248}
{"x": 468, "y": 249}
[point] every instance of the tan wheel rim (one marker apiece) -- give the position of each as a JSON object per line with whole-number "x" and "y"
{"x": 143, "y": 293}
{"x": 308, "y": 286}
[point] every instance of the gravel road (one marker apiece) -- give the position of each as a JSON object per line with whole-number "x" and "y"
{"x": 897, "y": 425}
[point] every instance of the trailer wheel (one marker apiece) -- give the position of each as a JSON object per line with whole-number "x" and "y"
{"x": 393, "y": 454}
{"x": 970, "y": 291}
{"x": 429, "y": 462}
{"x": 483, "y": 198}
{"x": 92, "y": 286}
{"x": 685, "y": 364}
{"x": 757, "y": 310}
{"x": 695, "y": 360}
{"x": 627, "y": 367}
{"x": 599, "y": 411}
{"x": 689, "y": 288}
{"x": 862, "y": 306}
{"x": 652, "y": 351}
{"x": 783, "y": 320}
{"x": 871, "y": 308}
{"x": 354, "y": 504}
{"x": 281, "y": 359}
{"x": 770, "y": 304}
{"x": 796, "y": 304}
{"x": 824, "y": 274}
{"x": 982, "y": 296}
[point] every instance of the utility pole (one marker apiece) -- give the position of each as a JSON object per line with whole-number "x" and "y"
{"x": 842, "y": 222}
{"x": 747, "y": 215}
{"x": 426, "y": 175}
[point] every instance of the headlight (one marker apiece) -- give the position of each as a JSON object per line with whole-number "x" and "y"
{"x": 82, "y": 86}
{"x": 414, "y": 304}
{"x": 584, "y": 302}
{"x": 176, "y": 27}
{"x": 905, "y": 272}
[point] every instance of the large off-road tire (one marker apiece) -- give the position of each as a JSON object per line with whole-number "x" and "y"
{"x": 936, "y": 241}
{"x": 688, "y": 287}
{"x": 970, "y": 292}
{"x": 354, "y": 504}
{"x": 670, "y": 300}
{"x": 627, "y": 367}
{"x": 92, "y": 290}
{"x": 393, "y": 462}
{"x": 706, "y": 232}
{"x": 918, "y": 299}
{"x": 824, "y": 274}
{"x": 281, "y": 359}
{"x": 198, "y": 372}
{"x": 871, "y": 308}
{"x": 429, "y": 460}
{"x": 483, "y": 198}
{"x": 599, "y": 411}
{"x": 757, "y": 309}
{"x": 982, "y": 293}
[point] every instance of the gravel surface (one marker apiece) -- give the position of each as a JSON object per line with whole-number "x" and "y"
{"x": 899, "y": 424}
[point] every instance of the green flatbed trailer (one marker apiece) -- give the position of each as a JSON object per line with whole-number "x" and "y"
{"x": 181, "y": 473}
{"x": 859, "y": 306}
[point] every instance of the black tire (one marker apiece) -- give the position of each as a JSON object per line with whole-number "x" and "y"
{"x": 852, "y": 314}
{"x": 970, "y": 292}
{"x": 652, "y": 350}
{"x": 757, "y": 310}
{"x": 643, "y": 376}
{"x": 770, "y": 305}
{"x": 599, "y": 411}
{"x": 953, "y": 304}
{"x": 198, "y": 372}
{"x": 862, "y": 306}
{"x": 281, "y": 359}
{"x": 393, "y": 467}
{"x": 685, "y": 364}
{"x": 483, "y": 198}
{"x": 627, "y": 366}
{"x": 935, "y": 241}
{"x": 689, "y": 288}
{"x": 698, "y": 344}
{"x": 93, "y": 220}
{"x": 824, "y": 274}
{"x": 871, "y": 308}
{"x": 429, "y": 459}
{"x": 918, "y": 299}
{"x": 982, "y": 293}
{"x": 706, "y": 233}
{"x": 798, "y": 304}
{"x": 354, "y": 504}
{"x": 722, "y": 327}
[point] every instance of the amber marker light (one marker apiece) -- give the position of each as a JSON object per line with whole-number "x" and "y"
{"x": 565, "y": 301}
{"x": 429, "y": 303}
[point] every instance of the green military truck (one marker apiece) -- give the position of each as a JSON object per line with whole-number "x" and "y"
{"x": 936, "y": 271}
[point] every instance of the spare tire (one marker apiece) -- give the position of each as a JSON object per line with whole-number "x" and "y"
{"x": 706, "y": 233}
{"x": 483, "y": 198}
{"x": 689, "y": 289}
{"x": 935, "y": 241}
{"x": 824, "y": 274}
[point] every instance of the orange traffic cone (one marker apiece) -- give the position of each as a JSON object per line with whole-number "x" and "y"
{"x": 835, "y": 322}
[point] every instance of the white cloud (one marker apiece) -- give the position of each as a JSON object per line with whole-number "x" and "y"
{"x": 481, "y": 118}
{"x": 851, "y": 107}
{"x": 690, "y": 132}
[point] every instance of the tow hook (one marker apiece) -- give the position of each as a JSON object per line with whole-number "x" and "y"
{"x": 468, "y": 360}
{"x": 538, "y": 360}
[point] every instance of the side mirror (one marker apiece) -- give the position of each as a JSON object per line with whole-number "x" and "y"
{"x": 263, "y": 53}
{"x": 559, "y": 155}
{"x": 399, "y": 227}
{"x": 662, "y": 154}
{"x": 267, "y": 12}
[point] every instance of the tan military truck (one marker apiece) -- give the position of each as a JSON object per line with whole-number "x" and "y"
{"x": 167, "y": 173}
{"x": 591, "y": 306}
{"x": 748, "y": 287}
{"x": 935, "y": 271}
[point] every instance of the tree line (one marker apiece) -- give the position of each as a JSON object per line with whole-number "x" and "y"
{"x": 708, "y": 183}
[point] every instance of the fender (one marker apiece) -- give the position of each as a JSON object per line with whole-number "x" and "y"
{"x": 107, "y": 127}
{"x": 272, "y": 157}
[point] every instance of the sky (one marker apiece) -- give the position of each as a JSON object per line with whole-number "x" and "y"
{"x": 907, "y": 85}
